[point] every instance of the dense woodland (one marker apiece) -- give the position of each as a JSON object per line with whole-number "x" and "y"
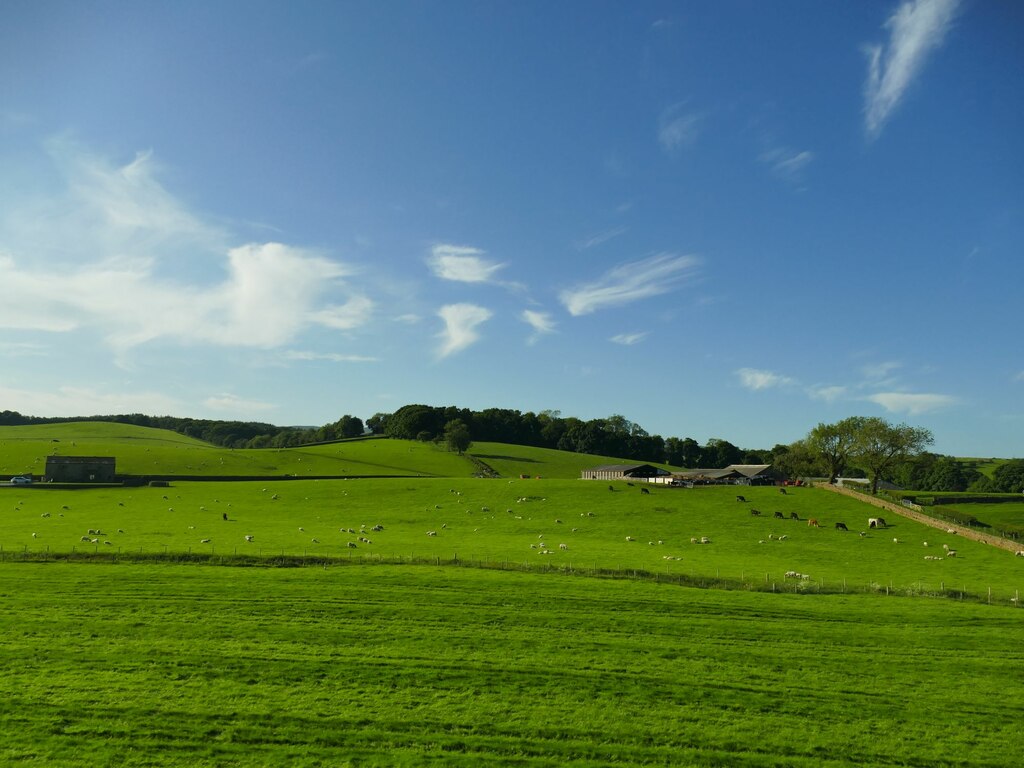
{"x": 854, "y": 447}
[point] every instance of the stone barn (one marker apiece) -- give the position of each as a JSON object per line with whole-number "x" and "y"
{"x": 80, "y": 469}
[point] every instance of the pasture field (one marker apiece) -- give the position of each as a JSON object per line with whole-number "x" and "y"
{"x": 144, "y": 665}
{"x": 514, "y": 460}
{"x": 516, "y": 522}
{"x": 1003, "y": 515}
{"x": 144, "y": 450}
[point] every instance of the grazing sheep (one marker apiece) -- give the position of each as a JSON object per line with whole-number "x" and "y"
{"x": 1018, "y": 553}
{"x": 783, "y": 537}
{"x": 170, "y": 509}
{"x": 563, "y": 546}
{"x": 315, "y": 540}
{"x": 35, "y": 535}
{"x": 925, "y": 543}
{"x": 693, "y": 541}
{"x": 45, "y": 514}
{"x": 705, "y": 540}
{"x": 895, "y": 540}
{"x": 202, "y": 509}
{"x": 204, "y": 541}
{"x": 301, "y": 529}
{"x": 94, "y": 541}
{"x": 558, "y": 521}
{"x": 120, "y": 530}
{"x": 444, "y": 525}
{"x": 84, "y": 538}
{"x": 630, "y": 538}
{"x": 951, "y": 531}
{"x": 431, "y": 533}
{"x": 377, "y": 527}
{"x": 950, "y": 553}
{"x": 274, "y": 497}
{"x": 249, "y": 537}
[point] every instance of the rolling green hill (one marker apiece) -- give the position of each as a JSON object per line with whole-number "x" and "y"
{"x": 148, "y": 451}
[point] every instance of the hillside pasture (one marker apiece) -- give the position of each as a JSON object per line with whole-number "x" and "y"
{"x": 147, "y": 451}
{"x": 404, "y": 666}
{"x": 511, "y": 461}
{"x": 522, "y": 522}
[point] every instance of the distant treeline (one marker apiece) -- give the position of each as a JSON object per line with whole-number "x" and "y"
{"x": 229, "y": 434}
{"x": 611, "y": 436}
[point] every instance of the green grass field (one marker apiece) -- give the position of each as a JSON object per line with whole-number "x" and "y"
{"x": 404, "y": 665}
{"x": 142, "y": 450}
{"x": 513, "y": 521}
{"x": 131, "y": 653}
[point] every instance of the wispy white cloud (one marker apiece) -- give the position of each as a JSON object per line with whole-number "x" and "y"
{"x": 915, "y": 29}
{"x": 333, "y": 357}
{"x": 22, "y": 349}
{"x": 787, "y": 164}
{"x": 911, "y": 403}
{"x": 678, "y": 128}
{"x": 84, "y": 401}
{"x": 628, "y": 339}
{"x": 755, "y": 379}
{"x": 630, "y": 282}
{"x": 460, "y": 321}
{"x": 878, "y": 373}
{"x": 228, "y": 402}
{"x": 541, "y": 323}
{"x": 601, "y": 237}
{"x": 827, "y": 393}
{"x": 462, "y": 264}
{"x": 115, "y": 260}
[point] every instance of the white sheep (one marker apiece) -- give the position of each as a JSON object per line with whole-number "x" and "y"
{"x": 204, "y": 541}
{"x": 630, "y": 538}
{"x": 950, "y": 553}
{"x": 249, "y": 537}
{"x": 431, "y": 533}
{"x": 563, "y": 546}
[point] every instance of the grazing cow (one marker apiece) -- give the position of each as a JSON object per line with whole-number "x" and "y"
{"x": 1019, "y": 553}
{"x": 740, "y": 498}
{"x": 794, "y": 516}
{"x": 644, "y": 490}
{"x": 352, "y": 544}
{"x": 779, "y": 516}
{"x": 876, "y": 522}
{"x": 841, "y": 527}
{"x": 782, "y": 491}
{"x": 755, "y": 512}
{"x": 225, "y": 515}
{"x": 813, "y": 523}
{"x": 611, "y": 487}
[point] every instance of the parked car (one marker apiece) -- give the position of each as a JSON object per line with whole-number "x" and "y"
{"x": 21, "y": 481}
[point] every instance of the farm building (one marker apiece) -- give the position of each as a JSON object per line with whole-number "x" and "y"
{"x": 734, "y": 474}
{"x": 80, "y": 469}
{"x": 623, "y": 472}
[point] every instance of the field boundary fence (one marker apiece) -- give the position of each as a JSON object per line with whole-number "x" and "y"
{"x": 747, "y": 582}
{"x": 911, "y": 513}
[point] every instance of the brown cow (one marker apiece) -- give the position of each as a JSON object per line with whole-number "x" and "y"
{"x": 813, "y": 523}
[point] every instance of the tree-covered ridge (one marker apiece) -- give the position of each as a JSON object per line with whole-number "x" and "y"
{"x": 611, "y": 436}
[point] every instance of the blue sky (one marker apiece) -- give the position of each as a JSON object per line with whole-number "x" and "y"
{"x": 718, "y": 219}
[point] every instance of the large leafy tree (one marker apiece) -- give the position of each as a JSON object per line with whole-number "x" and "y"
{"x": 456, "y": 436}
{"x": 879, "y": 446}
{"x": 1009, "y": 477}
{"x": 833, "y": 443}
